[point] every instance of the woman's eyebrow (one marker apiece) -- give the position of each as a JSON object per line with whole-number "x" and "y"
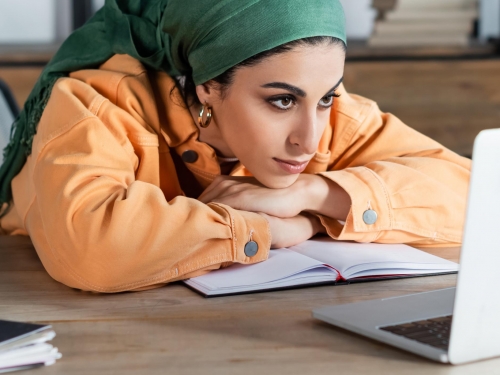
{"x": 285, "y": 86}
{"x": 336, "y": 86}
{"x": 294, "y": 89}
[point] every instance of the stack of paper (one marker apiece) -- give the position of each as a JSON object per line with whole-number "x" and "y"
{"x": 24, "y": 346}
{"x": 426, "y": 23}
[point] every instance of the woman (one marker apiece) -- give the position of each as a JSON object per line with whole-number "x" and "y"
{"x": 178, "y": 137}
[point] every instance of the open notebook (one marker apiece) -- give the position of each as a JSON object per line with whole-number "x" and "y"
{"x": 322, "y": 261}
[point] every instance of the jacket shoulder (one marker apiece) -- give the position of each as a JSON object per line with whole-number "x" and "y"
{"x": 353, "y": 107}
{"x": 106, "y": 80}
{"x": 120, "y": 88}
{"x": 123, "y": 64}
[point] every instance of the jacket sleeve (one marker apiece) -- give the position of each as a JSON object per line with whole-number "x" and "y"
{"x": 417, "y": 187}
{"x": 104, "y": 230}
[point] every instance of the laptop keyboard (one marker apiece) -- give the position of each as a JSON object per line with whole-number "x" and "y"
{"x": 434, "y": 332}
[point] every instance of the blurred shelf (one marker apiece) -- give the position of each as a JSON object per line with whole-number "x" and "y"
{"x": 27, "y": 54}
{"x": 39, "y": 55}
{"x": 360, "y": 51}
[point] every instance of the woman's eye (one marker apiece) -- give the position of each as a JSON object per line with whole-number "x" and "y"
{"x": 283, "y": 103}
{"x": 327, "y": 101}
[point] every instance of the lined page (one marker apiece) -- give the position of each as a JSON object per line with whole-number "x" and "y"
{"x": 283, "y": 265}
{"x": 368, "y": 259}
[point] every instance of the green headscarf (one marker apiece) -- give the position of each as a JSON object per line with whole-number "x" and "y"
{"x": 202, "y": 38}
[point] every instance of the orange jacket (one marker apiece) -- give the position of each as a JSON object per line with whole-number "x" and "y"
{"x": 104, "y": 195}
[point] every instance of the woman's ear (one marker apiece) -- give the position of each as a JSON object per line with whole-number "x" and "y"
{"x": 206, "y": 93}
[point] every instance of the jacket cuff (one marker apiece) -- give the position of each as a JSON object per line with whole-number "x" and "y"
{"x": 245, "y": 227}
{"x": 367, "y": 191}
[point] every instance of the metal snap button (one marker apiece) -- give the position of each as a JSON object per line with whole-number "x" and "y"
{"x": 251, "y": 248}
{"x": 189, "y": 156}
{"x": 370, "y": 217}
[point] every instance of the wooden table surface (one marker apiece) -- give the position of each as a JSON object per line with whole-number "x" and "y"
{"x": 173, "y": 330}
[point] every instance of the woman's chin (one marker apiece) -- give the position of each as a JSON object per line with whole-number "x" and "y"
{"x": 277, "y": 182}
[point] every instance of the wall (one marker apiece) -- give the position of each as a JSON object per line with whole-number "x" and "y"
{"x": 360, "y": 17}
{"x": 489, "y": 27}
{"x": 27, "y": 21}
{"x": 34, "y": 21}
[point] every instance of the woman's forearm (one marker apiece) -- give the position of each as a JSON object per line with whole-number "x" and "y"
{"x": 323, "y": 196}
{"x": 310, "y": 193}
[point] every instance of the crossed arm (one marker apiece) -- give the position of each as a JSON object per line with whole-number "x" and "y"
{"x": 290, "y": 211}
{"x": 417, "y": 187}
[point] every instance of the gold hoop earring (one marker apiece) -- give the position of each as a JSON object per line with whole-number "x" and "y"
{"x": 204, "y": 124}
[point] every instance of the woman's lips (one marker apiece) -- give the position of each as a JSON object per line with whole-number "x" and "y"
{"x": 291, "y": 166}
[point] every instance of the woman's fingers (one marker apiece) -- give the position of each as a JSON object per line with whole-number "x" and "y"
{"x": 275, "y": 202}
{"x": 222, "y": 184}
{"x": 245, "y": 193}
{"x": 215, "y": 189}
{"x": 291, "y": 231}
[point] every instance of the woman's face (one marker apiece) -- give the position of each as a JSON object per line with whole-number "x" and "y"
{"x": 273, "y": 114}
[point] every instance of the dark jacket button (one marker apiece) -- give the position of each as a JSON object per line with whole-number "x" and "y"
{"x": 189, "y": 156}
{"x": 251, "y": 248}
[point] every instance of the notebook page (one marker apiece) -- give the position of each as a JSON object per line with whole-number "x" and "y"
{"x": 282, "y": 264}
{"x": 368, "y": 259}
{"x": 309, "y": 277}
{"x": 26, "y": 352}
{"x": 47, "y": 357}
{"x": 36, "y": 338}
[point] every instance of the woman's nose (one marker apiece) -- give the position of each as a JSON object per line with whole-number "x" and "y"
{"x": 306, "y": 135}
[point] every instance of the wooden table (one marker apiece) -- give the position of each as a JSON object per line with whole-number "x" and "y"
{"x": 173, "y": 330}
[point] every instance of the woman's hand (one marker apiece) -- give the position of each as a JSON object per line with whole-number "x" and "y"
{"x": 310, "y": 193}
{"x": 247, "y": 194}
{"x": 292, "y": 231}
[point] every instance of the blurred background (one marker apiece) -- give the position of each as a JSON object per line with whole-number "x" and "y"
{"x": 433, "y": 63}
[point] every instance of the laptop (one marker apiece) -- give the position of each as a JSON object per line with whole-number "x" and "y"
{"x": 454, "y": 325}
